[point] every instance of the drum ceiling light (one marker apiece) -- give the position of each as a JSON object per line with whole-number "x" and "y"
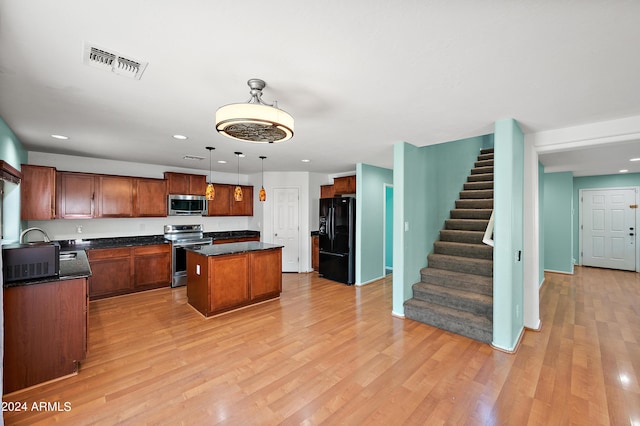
{"x": 255, "y": 121}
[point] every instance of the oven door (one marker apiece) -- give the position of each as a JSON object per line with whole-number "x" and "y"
{"x": 179, "y": 261}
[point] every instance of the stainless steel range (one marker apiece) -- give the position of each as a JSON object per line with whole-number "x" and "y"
{"x": 182, "y": 236}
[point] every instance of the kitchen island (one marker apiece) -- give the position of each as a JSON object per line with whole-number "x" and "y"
{"x": 224, "y": 277}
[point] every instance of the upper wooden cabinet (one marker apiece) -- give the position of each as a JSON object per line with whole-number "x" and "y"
{"x": 37, "y": 193}
{"x": 186, "y": 184}
{"x": 344, "y": 185}
{"x": 75, "y": 195}
{"x": 327, "y": 191}
{"x": 225, "y": 205}
{"x": 150, "y": 197}
{"x": 115, "y": 196}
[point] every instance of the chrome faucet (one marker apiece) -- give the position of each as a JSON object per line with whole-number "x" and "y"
{"x": 26, "y": 231}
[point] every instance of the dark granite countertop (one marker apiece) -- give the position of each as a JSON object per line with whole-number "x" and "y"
{"x": 98, "y": 243}
{"x": 73, "y": 264}
{"x": 231, "y": 248}
{"x": 222, "y": 235}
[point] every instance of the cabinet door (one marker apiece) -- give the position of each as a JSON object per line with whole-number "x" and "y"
{"x": 111, "y": 272}
{"x": 315, "y": 252}
{"x": 116, "y": 196}
{"x": 244, "y": 207}
{"x": 152, "y": 265}
{"x": 345, "y": 185}
{"x": 150, "y": 197}
{"x": 76, "y": 195}
{"x": 178, "y": 183}
{"x": 266, "y": 273}
{"x": 197, "y": 185}
{"x": 37, "y": 192}
{"x": 327, "y": 191}
{"x": 220, "y": 206}
{"x": 224, "y": 270}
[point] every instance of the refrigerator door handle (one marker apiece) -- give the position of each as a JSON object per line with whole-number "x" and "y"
{"x": 333, "y": 254}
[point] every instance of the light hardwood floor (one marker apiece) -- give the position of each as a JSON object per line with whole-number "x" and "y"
{"x": 332, "y": 354}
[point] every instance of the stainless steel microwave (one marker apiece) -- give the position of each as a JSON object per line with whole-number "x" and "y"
{"x": 187, "y": 205}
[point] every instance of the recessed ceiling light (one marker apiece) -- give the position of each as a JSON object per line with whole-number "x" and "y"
{"x": 306, "y": 161}
{"x": 180, "y": 137}
{"x": 222, "y": 162}
{"x": 62, "y": 137}
{"x": 635, "y": 159}
{"x": 624, "y": 171}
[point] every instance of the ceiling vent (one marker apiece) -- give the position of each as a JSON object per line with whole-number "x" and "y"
{"x": 192, "y": 157}
{"x": 113, "y": 61}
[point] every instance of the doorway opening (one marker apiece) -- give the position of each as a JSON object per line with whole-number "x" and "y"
{"x": 388, "y": 229}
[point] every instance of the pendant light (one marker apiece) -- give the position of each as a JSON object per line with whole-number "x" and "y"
{"x": 237, "y": 192}
{"x": 263, "y": 193}
{"x": 210, "y": 194}
{"x": 256, "y": 120}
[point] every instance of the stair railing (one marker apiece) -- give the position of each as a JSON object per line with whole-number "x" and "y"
{"x": 488, "y": 233}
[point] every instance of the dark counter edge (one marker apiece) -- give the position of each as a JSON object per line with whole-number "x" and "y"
{"x": 143, "y": 240}
{"x": 232, "y": 248}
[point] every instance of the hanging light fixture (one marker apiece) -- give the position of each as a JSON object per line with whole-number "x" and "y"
{"x": 237, "y": 192}
{"x": 255, "y": 120}
{"x": 210, "y": 193}
{"x": 263, "y": 194}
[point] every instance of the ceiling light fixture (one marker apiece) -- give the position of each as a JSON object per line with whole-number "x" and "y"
{"x": 255, "y": 120}
{"x": 210, "y": 193}
{"x": 263, "y": 193}
{"x": 635, "y": 159}
{"x": 61, "y": 137}
{"x": 237, "y": 192}
{"x": 180, "y": 137}
{"x": 624, "y": 171}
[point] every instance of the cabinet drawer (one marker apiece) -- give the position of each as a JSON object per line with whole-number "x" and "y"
{"x": 153, "y": 249}
{"x": 98, "y": 254}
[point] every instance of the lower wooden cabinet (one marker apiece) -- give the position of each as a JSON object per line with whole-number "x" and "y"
{"x": 124, "y": 270}
{"x": 235, "y": 240}
{"x": 315, "y": 252}
{"x": 54, "y": 317}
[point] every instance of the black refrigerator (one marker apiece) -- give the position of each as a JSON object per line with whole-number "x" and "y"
{"x": 337, "y": 239}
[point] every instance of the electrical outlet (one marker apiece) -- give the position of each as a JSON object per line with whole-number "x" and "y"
{"x": 79, "y": 229}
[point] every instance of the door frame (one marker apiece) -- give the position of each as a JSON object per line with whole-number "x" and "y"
{"x": 580, "y": 216}
{"x": 273, "y": 220}
{"x": 386, "y": 187}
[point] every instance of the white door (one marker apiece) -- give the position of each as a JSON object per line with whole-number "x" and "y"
{"x": 286, "y": 227}
{"x": 609, "y": 228}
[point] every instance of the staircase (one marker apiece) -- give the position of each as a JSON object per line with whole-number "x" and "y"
{"x": 456, "y": 289}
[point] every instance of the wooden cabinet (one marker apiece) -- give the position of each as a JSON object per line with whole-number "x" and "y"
{"x": 111, "y": 272}
{"x": 221, "y": 204}
{"x": 186, "y": 184}
{"x": 315, "y": 252}
{"x": 124, "y": 270}
{"x": 150, "y": 197}
{"x": 115, "y": 196}
{"x": 75, "y": 195}
{"x": 225, "y": 205}
{"x": 235, "y": 240}
{"x": 265, "y": 274}
{"x": 344, "y": 185}
{"x": 327, "y": 191}
{"x": 152, "y": 265}
{"x": 244, "y": 207}
{"x": 37, "y": 193}
{"x": 45, "y": 332}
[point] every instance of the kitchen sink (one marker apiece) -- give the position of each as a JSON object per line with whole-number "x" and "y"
{"x": 68, "y": 256}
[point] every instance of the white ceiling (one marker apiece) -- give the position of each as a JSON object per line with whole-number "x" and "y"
{"x": 358, "y": 76}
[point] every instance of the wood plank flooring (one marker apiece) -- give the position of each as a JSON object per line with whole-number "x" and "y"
{"x": 326, "y": 353}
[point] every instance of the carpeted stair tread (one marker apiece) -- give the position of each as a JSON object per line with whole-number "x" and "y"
{"x": 476, "y": 251}
{"x": 471, "y": 214}
{"x": 464, "y": 323}
{"x": 481, "y": 170}
{"x": 483, "y": 163}
{"x": 482, "y": 184}
{"x": 480, "y": 177}
{"x": 485, "y": 156}
{"x": 468, "y": 265}
{"x": 459, "y": 236}
{"x": 484, "y": 151}
{"x": 466, "y": 224}
{"x": 476, "y": 193}
{"x": 458, "y": 280}
{"x": 475, "y": 203}
{"x": 475, "y": 303}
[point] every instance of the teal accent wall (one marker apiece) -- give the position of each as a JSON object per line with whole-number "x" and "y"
{"x": 620, "y": 180}
{"x": 370, "y": 205}
{"x": 508, "y": 275}
{"x": 426, "y": 183}
{"x": 11, "y": 151}
{"x": 388, "y": 228}
{"x": 557, "y": 218}
{"x": 541, "y": 222}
